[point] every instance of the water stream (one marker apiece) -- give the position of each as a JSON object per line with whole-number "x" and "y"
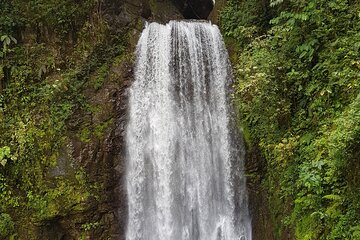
{"x": 185, "y": 178}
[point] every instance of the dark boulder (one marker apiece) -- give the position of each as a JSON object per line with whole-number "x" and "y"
{"x": 195, "y": 9}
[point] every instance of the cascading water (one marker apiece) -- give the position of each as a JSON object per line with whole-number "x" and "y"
{"x": 184, "y": 172}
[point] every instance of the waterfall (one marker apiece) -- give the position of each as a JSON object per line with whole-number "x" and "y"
{"x": 185, "y": 173}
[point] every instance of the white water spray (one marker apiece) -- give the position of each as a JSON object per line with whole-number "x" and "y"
{"x": 184, "y": 173}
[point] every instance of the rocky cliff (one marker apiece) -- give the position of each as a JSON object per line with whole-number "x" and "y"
{"x": 89, "y": 59}
{"x": 94, "y": 134}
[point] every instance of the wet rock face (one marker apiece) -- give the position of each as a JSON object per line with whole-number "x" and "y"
{"x": 195, "y": 9}
{"x": 121, "y": 14}
{"x": 262, "y": 225}
{"x": 104, "y": 158}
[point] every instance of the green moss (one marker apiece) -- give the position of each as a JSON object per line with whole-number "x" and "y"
{"x": 98, "y": 130}
{"x": 85, "y": 135}
{"x": 101, "y": 128}
{"x": 67, "y": 196}
{"x": 101, "y": 74}
{"x": 307, "y": 227}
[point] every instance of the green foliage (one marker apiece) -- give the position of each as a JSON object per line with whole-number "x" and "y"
{"x": 86, "y": 228}
{"x": 6, "y": 225}
{"x": 297, "y": 91}
{"x": 4, "y": 155}
{"x": 66, "y": 196}
{"x": 60, "y": 16}
{"x": 50, "y": 50}
{"x": 241, "y": 24}
{"x": 6, "y": 42}
{"x": 89, "y": 226}
{"x": 243, "y": 21}
{"x": 100, "y": 76}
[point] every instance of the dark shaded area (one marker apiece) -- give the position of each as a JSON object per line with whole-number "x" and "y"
{"x": 195, "y": 9}
{"x": 255, "y": 165}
